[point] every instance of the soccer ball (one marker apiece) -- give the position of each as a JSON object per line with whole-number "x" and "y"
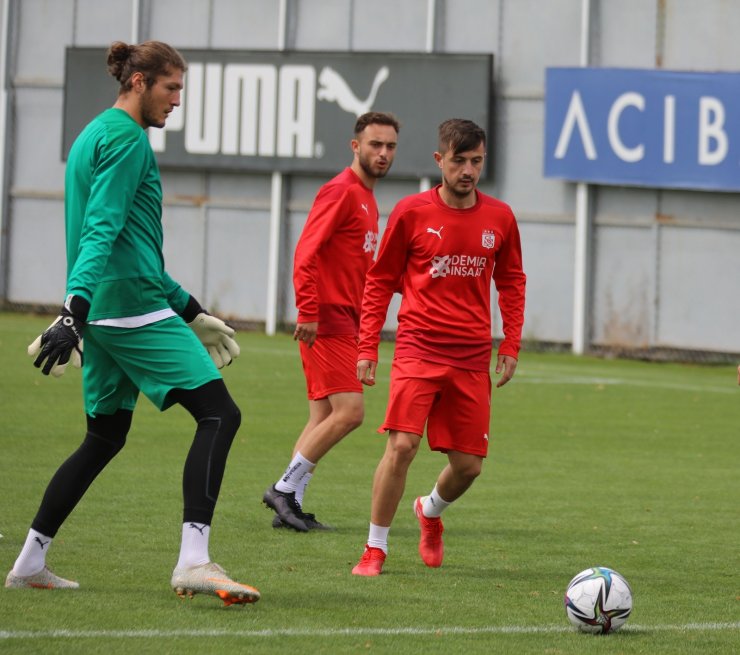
{"x": 598, "y": 600}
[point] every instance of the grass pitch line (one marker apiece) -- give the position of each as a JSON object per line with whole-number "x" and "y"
{"x": 349, "y": 632}
{"x": 607, "y": 381}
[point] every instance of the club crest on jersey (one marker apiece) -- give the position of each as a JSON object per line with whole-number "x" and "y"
{"x": 488, "y": 240}
{"x": 371, "y": 241}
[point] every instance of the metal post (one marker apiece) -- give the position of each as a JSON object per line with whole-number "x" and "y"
{"x": 135, "y": 13}
{"x": 582, "y": 254}
{"x": 276, "y": 207}
{"x": 4, "y": 154}
{"x": 425, "y": 183}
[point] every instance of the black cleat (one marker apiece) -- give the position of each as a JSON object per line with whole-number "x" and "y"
{"x": 308, "y": 519}
{"x": 285, "y": 506}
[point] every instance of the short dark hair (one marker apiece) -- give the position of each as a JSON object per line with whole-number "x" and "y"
{"x": 376, "y": 118}
{"x": 460, "y": 135}
{"x": 152, "y": 58}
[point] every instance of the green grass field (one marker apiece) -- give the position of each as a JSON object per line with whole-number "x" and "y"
{"x": 623, "y": 464}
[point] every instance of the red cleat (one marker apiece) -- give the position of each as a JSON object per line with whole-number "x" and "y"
{"x": 431, "y": 547}
{"x": 371, "y": 562}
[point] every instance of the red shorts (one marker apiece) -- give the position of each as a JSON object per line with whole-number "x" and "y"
{"x": 330, "y": 366}
{"x": 454, "y": 403}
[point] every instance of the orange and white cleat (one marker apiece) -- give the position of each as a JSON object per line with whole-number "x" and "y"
{"x": 44, "y": 579}
{"x": 211, "y": 579}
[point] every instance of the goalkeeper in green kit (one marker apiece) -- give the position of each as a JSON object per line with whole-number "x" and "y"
{"x": 142, "y": 332}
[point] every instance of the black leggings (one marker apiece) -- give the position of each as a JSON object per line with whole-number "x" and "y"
{"x": 106, "y": 435}
{"x": 218, "y": 418}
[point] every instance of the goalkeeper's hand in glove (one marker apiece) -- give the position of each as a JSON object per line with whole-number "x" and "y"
{"x": 61, "y": 342}
{"x": 214, "y": 334}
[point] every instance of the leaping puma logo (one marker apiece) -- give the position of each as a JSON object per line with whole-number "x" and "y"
{"x": 198, "y": 528}
{"x": 438, "y": 232}
{"x": 333, "y": 88}
{"x": 41, "y": 543}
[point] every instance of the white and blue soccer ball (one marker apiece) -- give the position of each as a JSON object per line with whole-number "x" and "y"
{"x": 598, "y": 600}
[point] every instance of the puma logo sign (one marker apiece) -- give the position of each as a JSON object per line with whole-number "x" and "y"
{"x": 198, "y": 528}
{"x": 364, "y": 206}
{"x": 438, "y": 232}
{"x": 43, "y": 544}
{"x": 333, "y": 88}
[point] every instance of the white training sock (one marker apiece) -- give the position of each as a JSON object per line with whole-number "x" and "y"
{"x": 433, "y": 504}
{"x": 32, "y": 558}
{"x": 194, "y": 545}
{"x": 297, "y": 468}
{"x": 300, "y": 491}
{"x": 378, "y": 537}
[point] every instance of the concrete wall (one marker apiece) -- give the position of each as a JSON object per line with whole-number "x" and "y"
{"x": 664, "y": 265}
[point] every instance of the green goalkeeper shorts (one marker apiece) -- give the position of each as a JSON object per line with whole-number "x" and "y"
{"x": 153, "y": 359}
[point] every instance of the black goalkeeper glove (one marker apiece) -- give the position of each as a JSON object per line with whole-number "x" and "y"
{"x": 61, "y": 342}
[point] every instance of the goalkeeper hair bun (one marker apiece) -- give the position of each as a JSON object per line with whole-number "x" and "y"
{"x": 118, "y": 54}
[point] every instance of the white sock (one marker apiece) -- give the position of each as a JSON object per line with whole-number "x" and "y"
{"x": 32, "y": 558}
{"x": 433, "y": 504}
{"x": 194, "y": 545}
{"x": 301, "y": 488}
{"x": 297, "y": 468}
{"x": 378, "y": 537}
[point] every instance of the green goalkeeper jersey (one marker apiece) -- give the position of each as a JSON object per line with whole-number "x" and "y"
{"x": 113, "y": 214}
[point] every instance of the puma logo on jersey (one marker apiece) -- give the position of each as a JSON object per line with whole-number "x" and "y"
{"x": 364, "y": 206}
{"x": 438, "y": 232}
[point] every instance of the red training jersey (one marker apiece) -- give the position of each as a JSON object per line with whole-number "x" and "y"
{"x": 333, "y": 254}
{"x": 442, "y": 261}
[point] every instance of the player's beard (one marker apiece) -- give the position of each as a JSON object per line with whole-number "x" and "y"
{"x": 149, "y": 111}
{"x": 459, "y": 193}
{"x": 370, "y": 170}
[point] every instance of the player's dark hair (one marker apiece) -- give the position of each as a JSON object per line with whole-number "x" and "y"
{"x": 460, "y": 135}
{"x": 376, "y": 118}
{"x": 152, "y": 58}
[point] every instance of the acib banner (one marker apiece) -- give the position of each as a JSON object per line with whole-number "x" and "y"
{"x": 293, "y": 111}
{"x": 652, "y": 128}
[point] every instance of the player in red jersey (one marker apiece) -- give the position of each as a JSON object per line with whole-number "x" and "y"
{"x": 441, "y": 249}
{"x": 332, "y": 257}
